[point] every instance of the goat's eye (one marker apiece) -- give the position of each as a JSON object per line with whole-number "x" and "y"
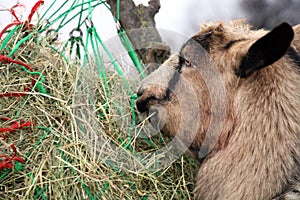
{"x": 187, "y": 62}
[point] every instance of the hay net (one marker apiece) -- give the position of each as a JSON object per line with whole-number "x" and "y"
{"x": 67, "y": 121}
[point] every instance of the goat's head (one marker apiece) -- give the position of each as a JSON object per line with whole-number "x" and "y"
{"x": 190, "y": 96}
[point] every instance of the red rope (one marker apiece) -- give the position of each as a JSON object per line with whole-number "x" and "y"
{"x": 26, "y": 24}
{"x": 7, "y": 162}
{"x": 34, "y": 9}
{"x": 13, "y": 94}
{"x": 6, "y": 60}
{"x": 8, "y": 26}
{"x": 14, "y": 127}
{"x": 12, "y": 11}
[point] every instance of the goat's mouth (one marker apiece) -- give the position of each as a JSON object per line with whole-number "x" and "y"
{"x": 152, "y": 110}
{"x": 143, "y": 104}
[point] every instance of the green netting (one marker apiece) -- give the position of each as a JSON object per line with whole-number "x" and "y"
{"x": 83, "y": 48}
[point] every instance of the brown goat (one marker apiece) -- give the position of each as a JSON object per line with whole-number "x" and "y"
{"x": 256, "y": 152}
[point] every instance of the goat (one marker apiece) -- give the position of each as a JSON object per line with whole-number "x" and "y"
{"x": 256, "y": 152}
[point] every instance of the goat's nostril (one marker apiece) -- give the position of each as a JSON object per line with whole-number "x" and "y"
{"x": 141, "y": 106}
{"x": 140, "y": 92}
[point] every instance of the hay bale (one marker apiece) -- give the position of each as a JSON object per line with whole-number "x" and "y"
{"x": 73, "y": 149}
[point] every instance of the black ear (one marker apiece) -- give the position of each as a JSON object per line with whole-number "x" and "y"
{"x": 266, "y": 50}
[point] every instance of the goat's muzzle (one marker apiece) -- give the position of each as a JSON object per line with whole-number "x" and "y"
{"x": 144, "y": 101}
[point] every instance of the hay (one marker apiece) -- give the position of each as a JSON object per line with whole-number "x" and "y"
{"x": 72, "y": 150}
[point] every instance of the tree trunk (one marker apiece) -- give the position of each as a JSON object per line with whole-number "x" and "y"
{"x": 138, "y": 22}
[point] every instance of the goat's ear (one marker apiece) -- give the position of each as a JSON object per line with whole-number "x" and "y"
{"x": 266, "y": 50}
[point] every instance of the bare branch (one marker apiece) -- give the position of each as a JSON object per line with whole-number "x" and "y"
{"x": 153, "y": 7}
{"x": 139, "y": 23}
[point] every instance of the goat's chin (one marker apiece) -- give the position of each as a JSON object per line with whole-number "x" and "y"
{"x": 157, "y": 117}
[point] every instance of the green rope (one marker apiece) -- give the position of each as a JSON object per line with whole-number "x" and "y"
{"x": 129, "y": 47}
{"x": 40, "y": 192}
{"x": 65, "y": 14}
{"x": 114, "y": 62}
{"x": 61, "y": 54}
{"x": 5, "y": 173}
{"x": 39, "y": 84}
{"x": 17, "y": 46}
{"x": 9, "y": 36}
{"x": 50, "y": 8}
{"x": 127, "y": 44}
{"x": 118, "y": 11}
{"x": 80, "y": 15}
{"x": 100, "y": 69}
{"x": 105, "y": 187}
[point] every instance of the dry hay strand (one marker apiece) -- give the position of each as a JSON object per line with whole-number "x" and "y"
{"x": 72, "y": 151}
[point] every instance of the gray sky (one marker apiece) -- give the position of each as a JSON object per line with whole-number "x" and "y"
{"x": 186, "y": 16}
